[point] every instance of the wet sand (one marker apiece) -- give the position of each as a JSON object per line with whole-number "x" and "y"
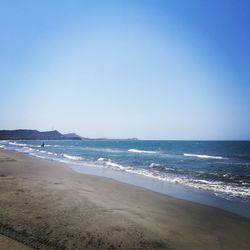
{"x": 45, "y": 205}
{"x": 8, "y": 244}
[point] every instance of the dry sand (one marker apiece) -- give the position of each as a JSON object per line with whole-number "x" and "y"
{"x": 45, "y": 205}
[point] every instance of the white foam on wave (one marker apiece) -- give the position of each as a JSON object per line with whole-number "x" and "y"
{"x": 158, "y": 167}
{"x": 205, "y": 156}
{"x": 24, "y": 149}
{"x": 54, "y": 146}
{"x": 39, "y": 156}
{"x": 101, "y": 159}
{"x": 73, "y": 157}
{"x": 115, "y": 165}
{"x": 110, "y": 163}
{"x": 153, "y": 165}
{"x": 217, "y": 187}
{"x": 138, "y": 151}
{"x": 18, "y": 144}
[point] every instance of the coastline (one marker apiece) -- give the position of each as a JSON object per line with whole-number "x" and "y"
{"x": 176, "y": 190}
{"x": 219, "y": 183}
{"x": 47, "y": 205}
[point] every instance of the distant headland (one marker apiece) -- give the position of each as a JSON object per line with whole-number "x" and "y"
{"x": 31, "y": 134}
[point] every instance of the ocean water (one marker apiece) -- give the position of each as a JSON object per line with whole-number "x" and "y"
{"x": 221, "y": 168}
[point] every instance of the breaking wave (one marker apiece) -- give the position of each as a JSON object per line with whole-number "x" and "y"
{"x": 157, "y": 166}
{"x": 112, "y": 164}
{"x": 205, "y": 156}
{"x": 73, "y": 157}
{"x": 138, "y": 151}
{"x": 18, "y": 144}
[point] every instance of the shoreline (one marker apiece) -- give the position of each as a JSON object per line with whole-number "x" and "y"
{"x": 170, "y": 188}
{"x": 47, "y": 203}
{"x": 175, "y": 190}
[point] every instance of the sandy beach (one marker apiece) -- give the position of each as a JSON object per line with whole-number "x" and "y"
{"x": 46, "y": 205}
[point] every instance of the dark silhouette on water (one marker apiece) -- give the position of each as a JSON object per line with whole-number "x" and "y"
{"x": 42, "y": 145}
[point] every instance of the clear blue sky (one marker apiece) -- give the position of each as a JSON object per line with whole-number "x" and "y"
{"x": 147, "y": 69}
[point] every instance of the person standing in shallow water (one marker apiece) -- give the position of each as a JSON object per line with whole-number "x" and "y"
{"x": 42, "y": 145}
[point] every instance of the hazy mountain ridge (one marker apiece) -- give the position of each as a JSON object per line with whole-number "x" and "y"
{"x": 30, "y": 134}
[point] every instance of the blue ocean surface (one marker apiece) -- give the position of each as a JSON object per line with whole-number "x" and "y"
{"x": 221, "y": 168}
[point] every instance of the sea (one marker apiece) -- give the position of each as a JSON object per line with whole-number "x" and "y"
{"x": 215, "y": 173}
